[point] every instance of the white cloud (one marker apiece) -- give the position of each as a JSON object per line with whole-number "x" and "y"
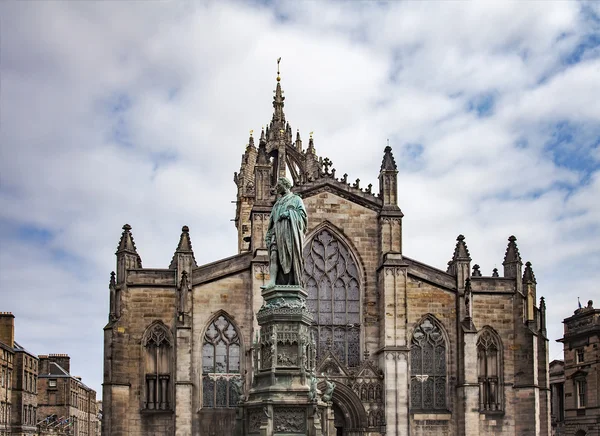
{"x": 191, "y": 80}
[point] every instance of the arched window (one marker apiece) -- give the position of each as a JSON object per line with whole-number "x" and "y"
{"x": 332, "y": 283}
{"x": 489, "y": 359}
{"x": 428, "y": 367}
{"x": 220, "y": 363}
{"x": 158, "y": 348}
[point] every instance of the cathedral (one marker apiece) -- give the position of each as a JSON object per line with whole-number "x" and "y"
{"x": 411, "y": 349}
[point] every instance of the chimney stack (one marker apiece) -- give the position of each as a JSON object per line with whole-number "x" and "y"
{"x": 7, "y": 329}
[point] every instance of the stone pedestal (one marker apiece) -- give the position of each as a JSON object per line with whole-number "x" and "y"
{"x": 283, "y": 399}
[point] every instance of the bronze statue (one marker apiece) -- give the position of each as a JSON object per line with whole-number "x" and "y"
{"x": 285, "y": 237}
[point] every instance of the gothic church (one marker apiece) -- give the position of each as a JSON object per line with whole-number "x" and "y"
{"x": 412, "y": 349}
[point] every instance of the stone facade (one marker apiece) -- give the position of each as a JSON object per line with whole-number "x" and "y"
{"x": 576, "y": 381}
{"x": 66, "y": 405}
{"x": 412, "y": 349}
{"x": 18, "y": 385}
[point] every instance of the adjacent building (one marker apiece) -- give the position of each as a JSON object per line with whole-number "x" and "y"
{"x": 66, "y": 404}
{"x": 413, "y": 349}
{"x": 576, "y": 381}
{"x": 18, "y": 383}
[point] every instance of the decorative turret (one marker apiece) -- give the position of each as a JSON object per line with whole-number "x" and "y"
{"x": 476, "y": 271}
{"x": 512, "y": 259}
{"x": 298, "y": 141}
{"x": 127, "y": 255}
{"x": 529, "y": 288}
{"x": 184, "y": 249}
{"x": 183, "y": 258}
{"x": 262, "y": 176}
{"x": 460, "y": 265}
{"x": 543, "y": 316}
{"x": 495, "y": 273}
{"x": 112, "y": 315}
{"x": 388, "y": 180}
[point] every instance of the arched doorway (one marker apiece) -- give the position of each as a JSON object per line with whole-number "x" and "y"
{"x": 348, "y": 412}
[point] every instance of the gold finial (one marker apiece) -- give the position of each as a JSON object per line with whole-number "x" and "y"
{"x": 311, "y": 133}
{"x": 278, "y": 60}
{"x": 251, "y": 132}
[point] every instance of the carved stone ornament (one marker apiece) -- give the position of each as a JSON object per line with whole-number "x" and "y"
{"x": 255, "y": 417}
{"x": 289, "y": 420}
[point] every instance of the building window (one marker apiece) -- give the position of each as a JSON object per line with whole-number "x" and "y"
{"x": 579, "y": 356}
{"x": 580, "y": 393}
{"x": 51, "y": 383}
{"x": 220, "y": 363}
{"x": 428, "y": 367}
{"x": 489, "y": 370}
{"x": 157, "y": 355}
{"x": 332, "y": 282}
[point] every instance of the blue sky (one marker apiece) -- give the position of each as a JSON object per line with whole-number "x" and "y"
{"x": 138, "y": 112}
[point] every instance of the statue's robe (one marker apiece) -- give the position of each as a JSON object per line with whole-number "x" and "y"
{"x": 289, "y": 236}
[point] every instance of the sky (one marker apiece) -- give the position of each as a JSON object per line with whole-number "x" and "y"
{"x": 139, "y": 112}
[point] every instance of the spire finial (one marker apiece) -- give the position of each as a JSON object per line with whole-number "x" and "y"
{"x": 311, "y": 135}
{"x": 278, "y": 76}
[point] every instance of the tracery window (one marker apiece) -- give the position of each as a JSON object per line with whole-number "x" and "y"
{"x": 331, "y": 280}
{"x": 428, "y": 367}
{"x": 158, "y": 348}
{"x": 220, "y": 363}
{"x": 489, "y": 361}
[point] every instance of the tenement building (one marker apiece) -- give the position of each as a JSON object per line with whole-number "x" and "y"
{"x": 576, "y": 389}
{"x": 411, "y": 349}
{"x": 66, "y": 405}
{"x": 18, "y": 383}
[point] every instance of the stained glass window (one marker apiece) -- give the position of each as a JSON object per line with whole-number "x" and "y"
{"x": 220, "y": 363}
{"x": 488, "y": 370}
{"x": 428, "y": 367}
{"x": 332, "y": 282}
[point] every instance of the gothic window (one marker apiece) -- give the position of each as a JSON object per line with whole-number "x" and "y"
{"x": 158, "y": 348}
{"x": 489, "y": 360}
{"x": 220, "y": 364}
{"x": 428, "y": 367}
{"x": 332, "y": 282}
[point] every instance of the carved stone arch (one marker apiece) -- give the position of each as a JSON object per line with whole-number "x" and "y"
{"x": 340, "y": 235}
{"x": 222, "y": 361}
{"x": 428, "y": 366}
{"x": 355, "y": 415}
{"x": 334, "y": 280}
{"x": 230, "y": 318}
{"x": 156, "y": 367}
{"x": 490, "y": 369}
{"x": 157, "y": 332}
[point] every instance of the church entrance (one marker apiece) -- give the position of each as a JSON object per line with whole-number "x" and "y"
{"x": 338, "y": 420}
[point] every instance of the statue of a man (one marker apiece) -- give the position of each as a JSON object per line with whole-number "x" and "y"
{"x": 285, "y": 237}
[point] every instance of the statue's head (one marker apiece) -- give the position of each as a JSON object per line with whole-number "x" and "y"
{"x": 283, "y": 185}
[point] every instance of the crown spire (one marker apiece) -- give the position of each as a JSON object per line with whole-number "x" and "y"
{"x": 278, "y": 121}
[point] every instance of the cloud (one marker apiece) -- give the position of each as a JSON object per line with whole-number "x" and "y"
{"x": 139, "y": 113}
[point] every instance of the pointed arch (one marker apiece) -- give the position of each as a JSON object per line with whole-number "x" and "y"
{"x": 221, "y": 361}
{"x": 429, "y": 365}
{"x": 333, "y": 277}
{"x": 355, "y": 415}
{"x": 157, "y": 343}
{"x": 489, "y": 369}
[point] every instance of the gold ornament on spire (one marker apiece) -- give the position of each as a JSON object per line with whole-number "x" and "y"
{"x": 278, "y": 60}
{"x": 311, "y": 134}
{"x": 251, "y": 132}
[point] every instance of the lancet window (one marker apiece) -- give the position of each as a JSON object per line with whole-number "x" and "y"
{"x": 428, "y": 367}
{"x": 158, "y": 353}
{"x": 489, "y": 370}
{"x": 220, "y": 363}
{"x": 332, "y": 282}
